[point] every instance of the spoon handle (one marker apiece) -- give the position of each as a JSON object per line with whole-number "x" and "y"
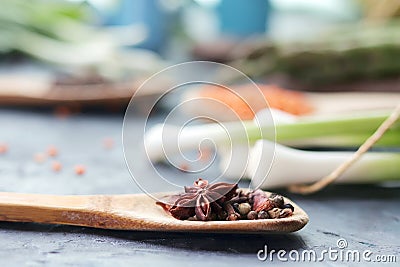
{"x": 72, "y": 210}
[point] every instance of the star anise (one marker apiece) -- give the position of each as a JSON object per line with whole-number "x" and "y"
{"x": 201, "y": 199}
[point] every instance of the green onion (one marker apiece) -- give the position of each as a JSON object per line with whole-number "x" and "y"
{"x": 310, "y": 166}
{"x": 340, "y": 131}
{"x": 59, "y": 33}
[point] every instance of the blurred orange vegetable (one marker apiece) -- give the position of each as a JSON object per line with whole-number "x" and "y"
{"x": 278, "y": 98}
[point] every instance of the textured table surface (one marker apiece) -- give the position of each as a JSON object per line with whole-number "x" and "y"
{"x": 367, "y": 217}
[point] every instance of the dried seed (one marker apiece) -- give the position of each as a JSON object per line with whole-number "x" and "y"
{"x": 263, "y": 215}
{"x": 244, "y": 208}
{"x": 262, "y": 203}
{"x": 274, "y": 213}
{"x": 252, "y": 215}
{"x": 232, "y": 217}
{"x": 233, "y": 205}
{"x": 285, "y": 213}
{"x": 277, "y": 200}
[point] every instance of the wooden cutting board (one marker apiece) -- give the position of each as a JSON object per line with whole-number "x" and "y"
{"x": 45, "y": 90}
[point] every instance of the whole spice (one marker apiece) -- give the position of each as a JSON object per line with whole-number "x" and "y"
{"x": 244, "y": 208}
{"x": 274, "y": 213}
{"x": 233, "y": 217}
{"x": 263, "y": 215}
{"x": 199, "y": 197}
{"x": 225, "y": 202}
{"x": 277, "y": 200}
{"x": 232, "y": 214}
{"x": 285, "y": 213}
{"x": 252, "y": 215}
{"x": 261, "y": 201}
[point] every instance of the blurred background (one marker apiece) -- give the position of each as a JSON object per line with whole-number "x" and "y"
{"x": 95, "y": 53}
{"x": 68, "y": 69}
{"x": 62, "y": 58}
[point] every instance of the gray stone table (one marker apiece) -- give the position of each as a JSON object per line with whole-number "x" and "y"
{"x": 367, "y": 217}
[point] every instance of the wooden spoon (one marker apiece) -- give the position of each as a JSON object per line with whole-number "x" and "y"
{"x": 127, "y": 212}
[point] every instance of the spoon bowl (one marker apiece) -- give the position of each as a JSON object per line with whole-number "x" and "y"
{"x": 137, "y": 212}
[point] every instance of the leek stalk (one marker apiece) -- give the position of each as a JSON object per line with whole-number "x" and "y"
{"x": 341, "y": 131}
{"x": 310, "y": 166}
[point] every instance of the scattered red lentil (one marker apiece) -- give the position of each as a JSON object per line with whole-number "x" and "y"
{"x": 52, "y": 151}
{"x": 56, "y": 166}
{"x": 108, "y": 143}
{"x": 62, "y": 112}
{"x": 39, "y": 157}
{"x": 3, "y": 148}
{"x": 80, "y": 169}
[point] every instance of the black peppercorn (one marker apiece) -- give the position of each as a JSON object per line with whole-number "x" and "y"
{"x": 288, "y": 206}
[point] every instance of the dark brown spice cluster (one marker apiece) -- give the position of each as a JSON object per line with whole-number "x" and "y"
{"x": 224, "y": 201}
